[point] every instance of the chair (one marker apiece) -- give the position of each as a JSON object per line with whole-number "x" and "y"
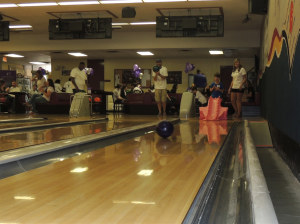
{"x": 2, "y": 101}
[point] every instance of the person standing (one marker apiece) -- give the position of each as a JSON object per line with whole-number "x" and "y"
{"x": 117, "y": 98}
{"x": 79, "y": 78}
{"x": 160, "y": 85}
{"x": 239, "y": 78}
{"x": 200, "y": 81}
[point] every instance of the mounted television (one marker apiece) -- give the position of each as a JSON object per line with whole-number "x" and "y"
{"x": 4, "y": 31}
{"x": 190, "y": 26}
{"x": 94, "y": 28}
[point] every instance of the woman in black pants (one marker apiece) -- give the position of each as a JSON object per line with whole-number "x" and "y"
{"x": 239, "y": 78}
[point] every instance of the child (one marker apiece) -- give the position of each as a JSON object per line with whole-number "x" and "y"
{"x": 216, "y": 88}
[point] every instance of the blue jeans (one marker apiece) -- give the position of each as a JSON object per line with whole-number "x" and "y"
{"x": 36, "y": 99}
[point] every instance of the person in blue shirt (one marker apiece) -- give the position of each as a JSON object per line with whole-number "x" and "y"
{"x": 216, "y": 88}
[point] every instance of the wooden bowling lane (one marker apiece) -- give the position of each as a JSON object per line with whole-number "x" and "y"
{"x": 146, "y": 179}
{"x": 29, "y": 138}
{"x": 50, "y": 120}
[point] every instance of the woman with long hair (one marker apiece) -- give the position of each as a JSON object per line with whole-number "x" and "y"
{"x": 45, "y": 98}
{"x": 239, "y": 78}
{"x": 40, "y": 81}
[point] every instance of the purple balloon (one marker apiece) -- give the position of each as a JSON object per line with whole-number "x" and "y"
{"x": 189, "y": 67}
{"x": 137, "y": 73}
{"x": 135, "y": 67}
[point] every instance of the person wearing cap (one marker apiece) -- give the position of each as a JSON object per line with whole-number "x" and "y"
{"x": 160, "y": 86}
{"x": 239, "y": 79}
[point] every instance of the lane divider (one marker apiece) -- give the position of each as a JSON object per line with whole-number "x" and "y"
{"x": 262, "y": 207}
{"x": 22, "y": 120}
{"x": 45, "y": 126}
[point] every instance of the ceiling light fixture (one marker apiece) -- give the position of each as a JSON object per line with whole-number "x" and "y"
{"x": 7, "y": 5}
{"x": 14, "y": 56}
{"x": 37, "y": 4}
{"x": 149, "y": 1}
{"x": 37, "y": 63}
{"x": 216, "y": 52}
{"x": 77, "y": 54}
{"x": 120, "y": 24}
{"x": 120, "y": 1}
{"x": 19, "y": 26}
{"x": 79, "y": 3}
{"x": 145, "y": 53}
{"x": 142, "y": 23}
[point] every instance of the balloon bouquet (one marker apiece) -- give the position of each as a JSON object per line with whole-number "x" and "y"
{"x": 189, "y": 67}
{"x": 137, "y": 71}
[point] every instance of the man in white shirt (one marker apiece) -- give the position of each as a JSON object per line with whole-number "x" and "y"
{"x": 14, "y": 88}
{"x": 79, "y": 78}
{"x": 160, "y": 74}
{"x": 57, "y": 86}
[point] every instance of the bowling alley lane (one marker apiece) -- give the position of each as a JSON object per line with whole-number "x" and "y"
{"x": 146, "y": 179}
{"x": 49, "y": 119}
{"x": 16, "y": 140}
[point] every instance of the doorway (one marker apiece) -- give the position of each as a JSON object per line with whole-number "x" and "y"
{"x": 225, "y": 72}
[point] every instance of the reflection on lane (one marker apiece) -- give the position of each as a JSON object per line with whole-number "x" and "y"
{"x": 213, "y": 130}
{"x": 16, "y": 140}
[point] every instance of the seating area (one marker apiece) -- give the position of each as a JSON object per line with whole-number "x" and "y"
{"x": 19, "y": 102}
{"x": 145, "y": 104}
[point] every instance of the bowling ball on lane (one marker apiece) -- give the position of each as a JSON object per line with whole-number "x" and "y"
{"x": 156, "y": 68}
{"x": 165, "y": 129}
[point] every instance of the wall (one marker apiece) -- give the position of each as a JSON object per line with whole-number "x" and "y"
{"x": 28, "y": 41}
{"x": 207, "y": 66}
{"x": 13, "y": 67}
{"x": 280, "y": 58}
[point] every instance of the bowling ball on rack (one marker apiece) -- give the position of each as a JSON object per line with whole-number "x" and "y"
{"x": 165, "y": 129}
{"x": 97, "y": 99}
{"x": 156, "y": 68}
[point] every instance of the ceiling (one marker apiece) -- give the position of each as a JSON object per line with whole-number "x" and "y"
{"x": 234, "y": 13}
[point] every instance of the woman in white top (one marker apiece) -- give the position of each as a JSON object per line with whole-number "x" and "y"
{"x": 45, "y": 98}
{"x": 239, "y": 78}
{"x": 40, "y": 81}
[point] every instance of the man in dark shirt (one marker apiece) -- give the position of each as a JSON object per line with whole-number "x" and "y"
{"x": 200, "y": 80}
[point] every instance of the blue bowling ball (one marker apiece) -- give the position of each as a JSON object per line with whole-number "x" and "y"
{"x": 156, "y": 68}
{"x": 165, "y": 129}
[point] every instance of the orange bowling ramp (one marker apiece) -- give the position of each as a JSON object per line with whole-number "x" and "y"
{"x": 213, "y": 111}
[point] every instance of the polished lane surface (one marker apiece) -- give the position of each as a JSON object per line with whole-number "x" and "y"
{"x": 50, "y": 120}
{"x": 142, "y": 180}
{"x": 29, "y": 138}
